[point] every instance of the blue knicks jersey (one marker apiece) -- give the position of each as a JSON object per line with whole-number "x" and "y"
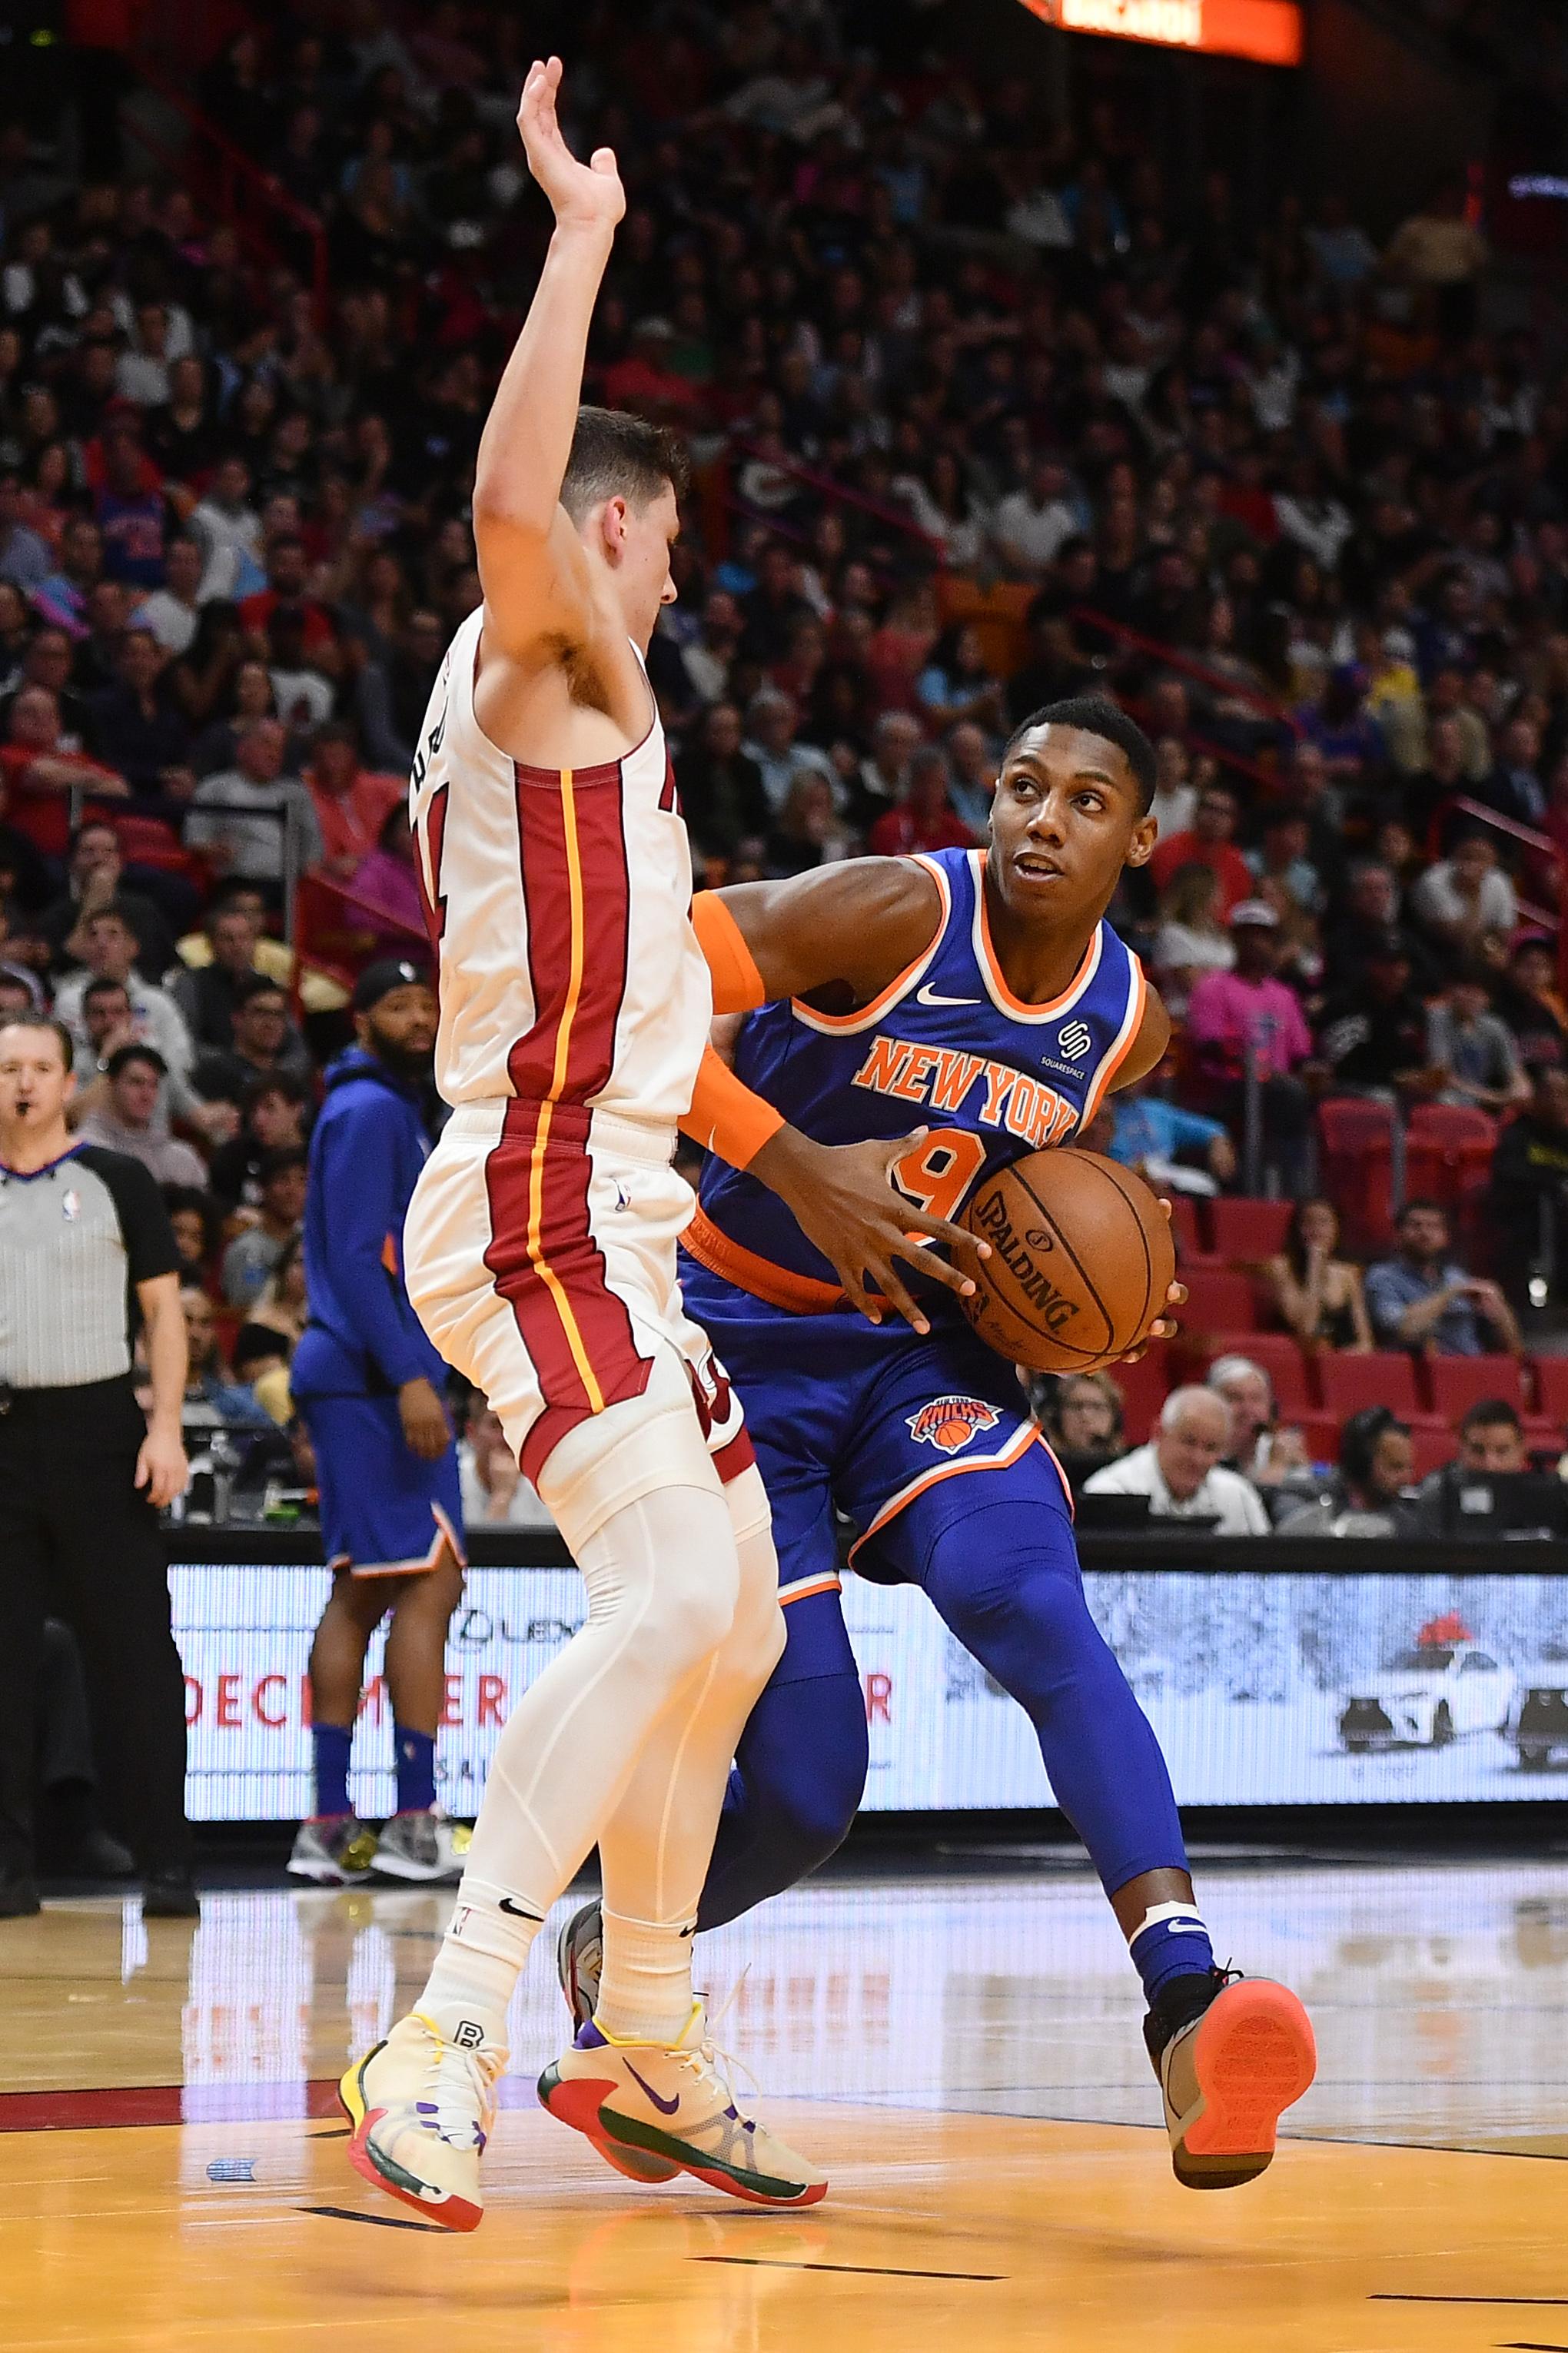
{"x": 946, "y": 1045}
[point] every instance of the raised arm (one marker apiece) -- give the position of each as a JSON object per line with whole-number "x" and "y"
{"x": 531, "y": 565}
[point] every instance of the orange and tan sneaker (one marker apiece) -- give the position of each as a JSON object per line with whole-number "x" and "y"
{"x": 1228, "y": 2074}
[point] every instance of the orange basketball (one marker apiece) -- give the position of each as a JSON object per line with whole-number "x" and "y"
{"x": 1082, "y": 1259}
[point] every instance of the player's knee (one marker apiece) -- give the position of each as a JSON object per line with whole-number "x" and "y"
{"x": 809, "y": 1816}
{"x": 689, "y": 1611}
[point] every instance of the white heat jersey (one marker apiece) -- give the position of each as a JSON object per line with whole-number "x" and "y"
{"x": 558, "y": 902}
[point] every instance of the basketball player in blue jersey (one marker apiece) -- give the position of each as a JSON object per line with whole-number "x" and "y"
{"x": 983, "y": 994}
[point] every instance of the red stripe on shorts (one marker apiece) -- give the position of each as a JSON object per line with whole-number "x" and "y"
{"x": 577, "y": 893}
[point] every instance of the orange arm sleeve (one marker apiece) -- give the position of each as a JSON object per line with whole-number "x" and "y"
{"x": 737, "y": 983}
{"x": 726, "y": 1117}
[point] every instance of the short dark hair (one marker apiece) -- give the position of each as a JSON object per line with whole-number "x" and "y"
{"x": 1426, "y": 1201}
{"x": 1095, "y": 715}
{"x": 1488, "y": 1413}
{"x": 275, "y": 1083}
{"x": 615, "y": 454}
{"x": 62, "y": 1036}
{"x": 100, "y": 987}
{"x": 252, "y": 985}
{"x": 1359, "y": 1438}
{"x": 277, "y": 1163}
{"x": 123, "y": 1056}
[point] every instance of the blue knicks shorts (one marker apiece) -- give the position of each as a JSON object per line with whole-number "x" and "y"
{"x": 383, "y": 1511}
{"x": 904, "y": 1435}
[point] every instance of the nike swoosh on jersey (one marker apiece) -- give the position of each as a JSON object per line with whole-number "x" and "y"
{"x": 929, "y": 995}
{"x": 665, "y": 2108}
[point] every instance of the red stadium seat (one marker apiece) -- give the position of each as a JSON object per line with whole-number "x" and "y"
{"x": 1550, "y": 1378}
{"x": 148, "y": 841}
{"x": 1458, "y": 1383}
{"x": 1322, "y": 1432}
{"x": 1219, "y": 1299}
{"x": 1432, "y": 1448}
{"x": 1187, "y": 1231}
{"x": 1280, "y": 1357}
{"x": 1248, "y": 1228}
{"x": 1448, "y": 1153}
{"x": 1144, "y": 1387}
{"x": 1347, "y": 1384}
{"x": 1356, "y": 1152}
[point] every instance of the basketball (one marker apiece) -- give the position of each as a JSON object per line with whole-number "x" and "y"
{"x": 1082, "y": 1259}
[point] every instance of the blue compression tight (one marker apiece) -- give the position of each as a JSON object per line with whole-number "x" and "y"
{"x": 1015, "y": 1602}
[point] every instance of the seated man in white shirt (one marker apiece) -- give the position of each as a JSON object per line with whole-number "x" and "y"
{"x": 1182, "y": 1470}
{"x": 495, "y": 1492}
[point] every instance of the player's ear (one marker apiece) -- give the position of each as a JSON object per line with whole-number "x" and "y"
{"x": 1141, "y": 844}
{"x": 613, "y": 525}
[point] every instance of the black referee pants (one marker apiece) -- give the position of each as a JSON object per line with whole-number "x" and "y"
{"x": 78, "y": 1542}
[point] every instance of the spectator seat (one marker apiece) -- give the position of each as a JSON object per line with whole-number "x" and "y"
{"x": 1432, "y": 1447}
{"x": 1220, "y": 1299}
{"x": 1280, "y": 1357}
{"x": 1356, "y": 1168}
{"x": 148, "y": 841}
{"x": 1348, "y": 1384}
{"x": 1321, "y": 1433}
{"x": 1550, "y": 1376}
{"x": 1249, "y": 1230}
{"x": 1144, "y": 1387}
{"x": 1187, "y": 1231}
{"x": 1457, "y": 1383}
{"x": 1448, "y": 1153}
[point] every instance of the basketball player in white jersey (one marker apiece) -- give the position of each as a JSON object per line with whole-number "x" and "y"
{"x": 540, "y": 1255}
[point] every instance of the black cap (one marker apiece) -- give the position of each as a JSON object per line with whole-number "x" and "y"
{"x": 379, "y": 979}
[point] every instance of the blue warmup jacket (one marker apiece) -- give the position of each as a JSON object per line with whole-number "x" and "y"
{"x": 370, "y": 1143}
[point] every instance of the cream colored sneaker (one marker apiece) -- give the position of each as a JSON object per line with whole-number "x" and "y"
{"x": 1227, "y": 2077}
{"x": 653, "y": 2111}
{"x": 421, "y": 2108}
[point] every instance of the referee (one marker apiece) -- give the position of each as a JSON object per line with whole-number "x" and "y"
{"x": 86, "y": 1252}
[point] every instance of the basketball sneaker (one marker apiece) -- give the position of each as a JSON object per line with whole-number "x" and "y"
{"x": 334, "y": 1849}
{"x": 422, "y": 1846}
{"x": 1228, "y": 2070}
{"x": 579, "y": 1960}
{"x": 653, "y": 2113}
{"x": 421, "y": 2108}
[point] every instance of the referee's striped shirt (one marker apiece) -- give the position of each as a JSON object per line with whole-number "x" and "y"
{"x": 76, "y": 1238}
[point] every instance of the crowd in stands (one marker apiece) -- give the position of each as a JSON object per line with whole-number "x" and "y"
{"x": 984, "y": 409}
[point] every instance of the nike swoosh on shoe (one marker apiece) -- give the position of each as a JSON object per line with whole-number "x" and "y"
{"x": 665, "y": 2108}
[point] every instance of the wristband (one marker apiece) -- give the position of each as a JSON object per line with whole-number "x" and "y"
{"x": 726, "y": 1117}
{"x": 737, "y": 983}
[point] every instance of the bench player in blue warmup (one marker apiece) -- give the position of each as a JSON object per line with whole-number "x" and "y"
{"x": 983, "y": 992}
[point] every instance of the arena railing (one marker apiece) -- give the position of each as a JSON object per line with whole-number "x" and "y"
{"x": 254, "y": 202}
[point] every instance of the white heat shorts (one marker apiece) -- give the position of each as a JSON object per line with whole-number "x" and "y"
{"x": 538, "y": 1253}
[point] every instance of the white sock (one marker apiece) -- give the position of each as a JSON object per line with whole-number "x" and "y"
{"x": 481, "y": 1956}
{"x": 644, "y": 1990}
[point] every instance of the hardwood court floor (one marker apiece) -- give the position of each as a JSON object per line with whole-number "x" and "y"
{"x": 963, "y": 2053}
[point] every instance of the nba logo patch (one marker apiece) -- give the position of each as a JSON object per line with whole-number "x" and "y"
{"x": 70, "y": 1207}
{"x": 951, "y": 1423}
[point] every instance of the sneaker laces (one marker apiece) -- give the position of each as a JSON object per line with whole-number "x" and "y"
{"x": 708, "y": 2056}
{"x": 459, "y": 2081}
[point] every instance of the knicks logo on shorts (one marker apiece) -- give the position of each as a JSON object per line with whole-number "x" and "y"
{"x": 950, "y": 1423}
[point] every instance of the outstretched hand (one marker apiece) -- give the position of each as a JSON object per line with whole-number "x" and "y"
{"x": 585, "y": 195}
{"x": 845, "y": 1202}
{"x": 1166, "y": 1327}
